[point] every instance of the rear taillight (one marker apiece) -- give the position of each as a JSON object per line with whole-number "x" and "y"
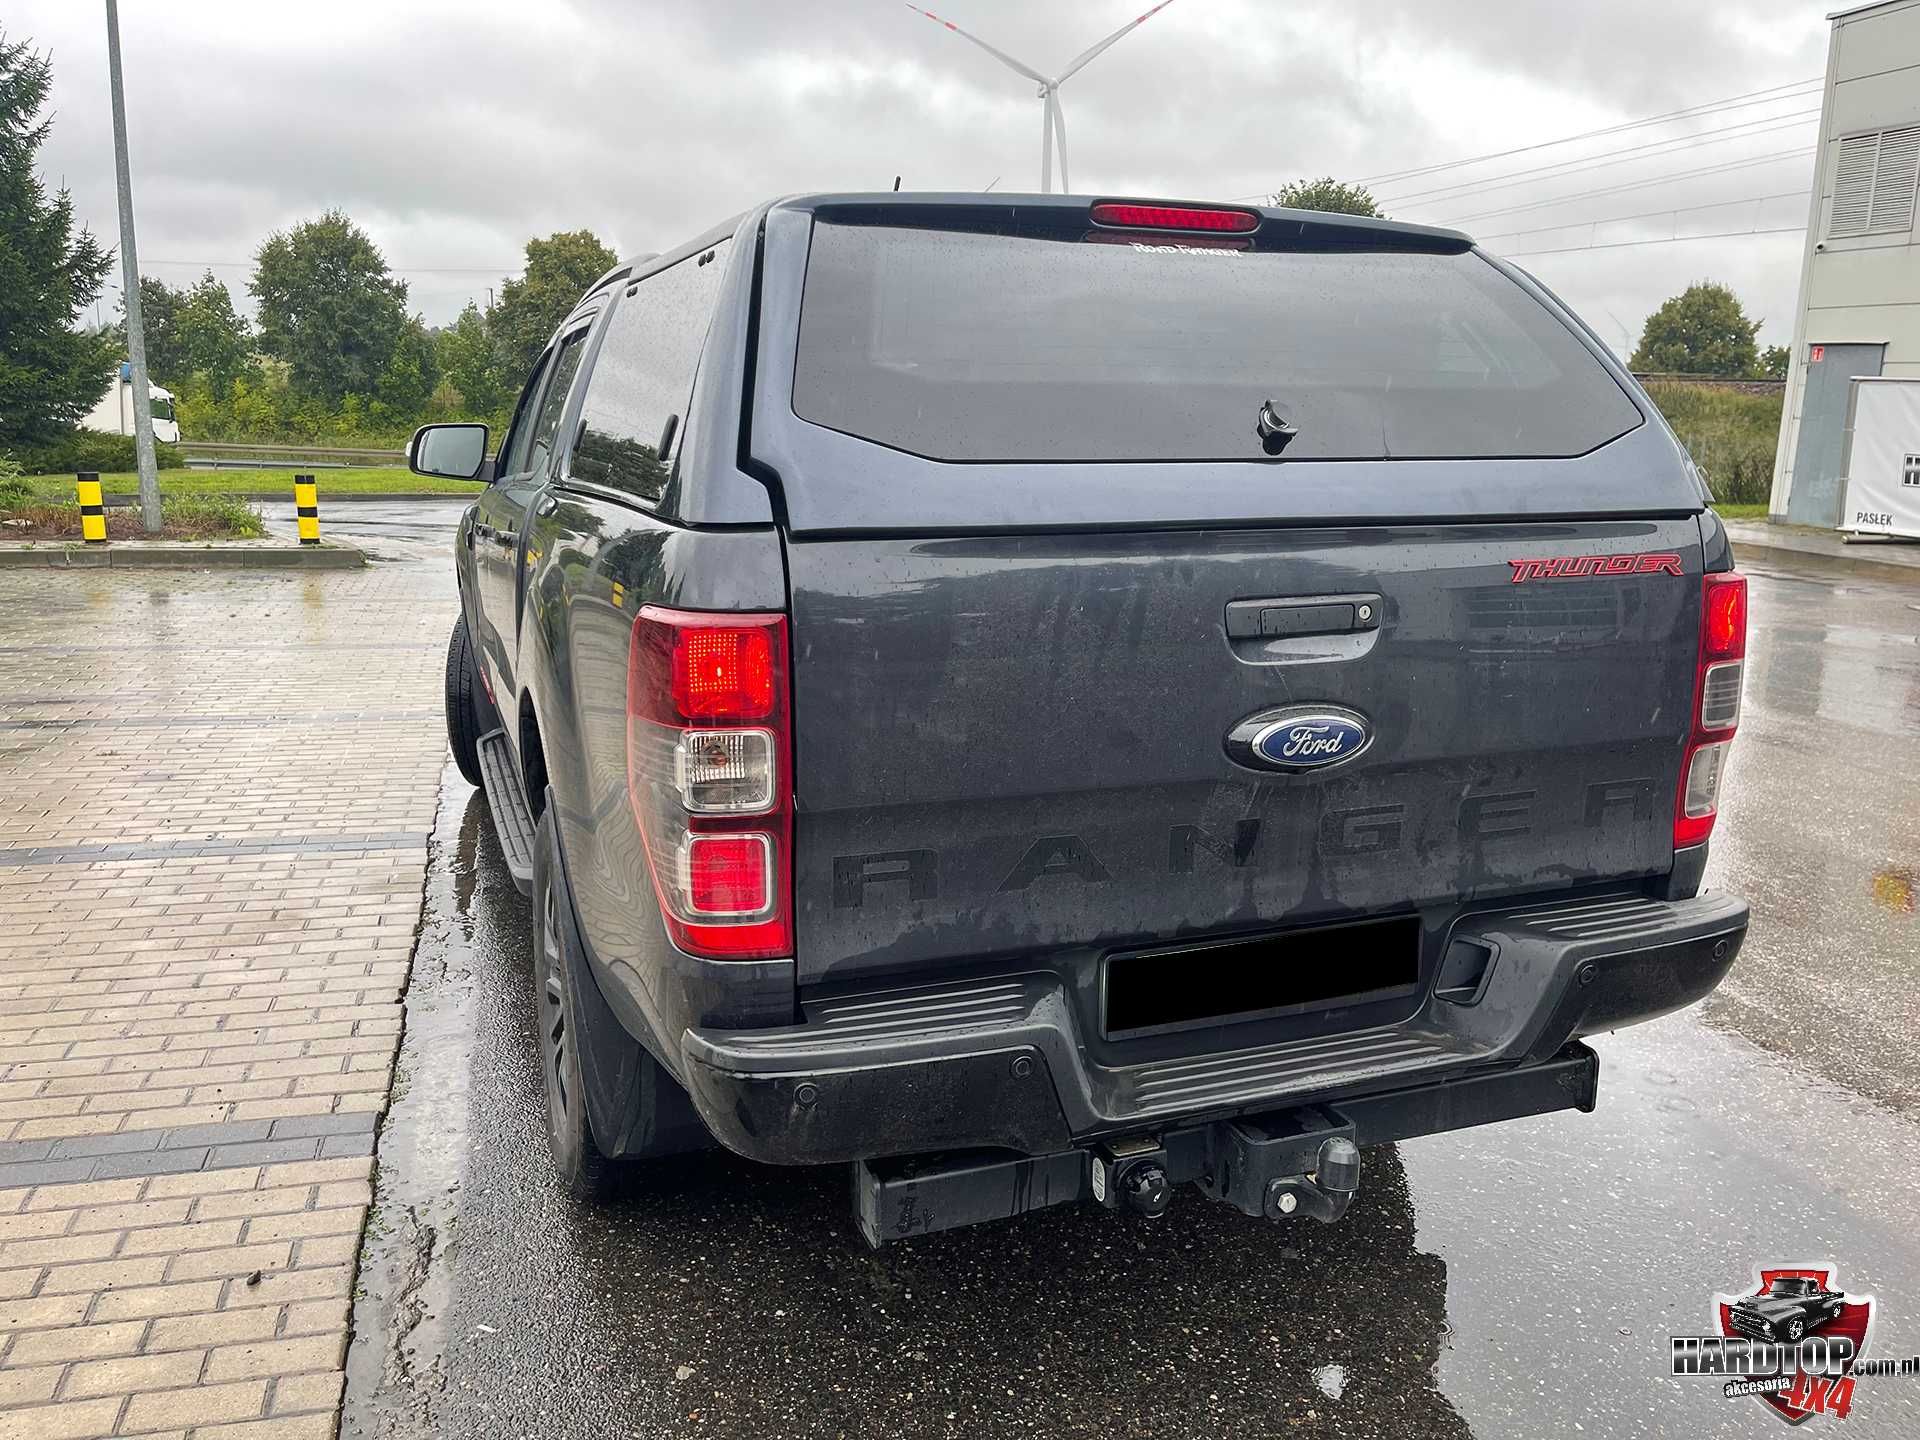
{"x": 708, "y": 756}
{"x": 1716, "y": 705}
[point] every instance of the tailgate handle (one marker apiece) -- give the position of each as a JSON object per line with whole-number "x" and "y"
{"x": 1302, "y": 615}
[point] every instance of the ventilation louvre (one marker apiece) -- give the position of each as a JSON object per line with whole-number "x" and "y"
{"x": 1894, "y": 180}
{"x": 1874, "y": 182}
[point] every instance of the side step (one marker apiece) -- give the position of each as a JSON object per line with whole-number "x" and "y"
{"x": 507, "y": 798}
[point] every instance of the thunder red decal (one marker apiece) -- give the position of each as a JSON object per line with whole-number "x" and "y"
{"x": 1575, "y": 567}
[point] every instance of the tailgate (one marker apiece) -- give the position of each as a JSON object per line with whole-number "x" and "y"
{"x": 1011, "y": 743}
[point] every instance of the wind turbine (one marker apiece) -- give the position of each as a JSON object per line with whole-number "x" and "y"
{"x": 1053, "y": 124}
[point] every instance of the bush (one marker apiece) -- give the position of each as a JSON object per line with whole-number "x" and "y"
{"x": 14, "y": 489}
{"x": 211, "y": 517}
{"x": 261, "y": 408}
{"x": 90, "y": 450}
{"x": 1731, "y": 436}
{"x": 183, "y": 517}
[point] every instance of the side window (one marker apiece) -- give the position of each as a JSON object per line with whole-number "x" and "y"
{"x": 513, "y": 450}
{"x": 643, "y": 376}
{"x": 566, "y": 364}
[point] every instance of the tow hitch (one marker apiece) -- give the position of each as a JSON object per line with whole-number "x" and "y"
{"x": 1282, "y": 1165}
{"x": 1292, "y": 1162}
{"x": 1299, "y": 1162}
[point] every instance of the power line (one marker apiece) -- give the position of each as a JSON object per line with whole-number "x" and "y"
{"x": 1762, "y": 126}
{"x": 1609, "y": 158}
{"x": 397, "y": 269}
{"x": 1732, "y": 102}
{"x": 1667, "y": 240}
{"x": 1724, "y": 167}
{"x": 1675, "y": 211}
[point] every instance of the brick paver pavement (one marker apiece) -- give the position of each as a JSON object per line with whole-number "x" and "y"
{"x": 215, "y": 795}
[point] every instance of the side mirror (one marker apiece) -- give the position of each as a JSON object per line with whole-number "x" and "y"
{"x": 452, "y": 452}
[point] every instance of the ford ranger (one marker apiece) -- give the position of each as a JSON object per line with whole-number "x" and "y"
{"x": 1049, "y": 700}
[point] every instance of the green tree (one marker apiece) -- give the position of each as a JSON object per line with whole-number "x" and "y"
{"x": 467, "y": 360}
{"x": 328, "y": 307}
{"x": 407, "y": 383}
{"x": 159, "y": 323}
{"x": 1773, "y": 362}
{"x": 559, "y": 271}
{"x": 1701, "y": 331}
{"x": 50, "y": 372}
{"x": 215, "y": 340}
{"x": 1327, "y": 194}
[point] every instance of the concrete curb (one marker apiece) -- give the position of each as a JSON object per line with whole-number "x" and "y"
{"x": 1769, "y": 541}
{"x": 1837, "y": 565}
{"x": 182, "y": 554}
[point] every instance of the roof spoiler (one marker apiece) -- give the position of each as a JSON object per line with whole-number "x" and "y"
{"x": 1278, "y": 228}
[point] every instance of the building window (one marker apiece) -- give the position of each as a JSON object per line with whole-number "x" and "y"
{"x": 1873, "y": 184}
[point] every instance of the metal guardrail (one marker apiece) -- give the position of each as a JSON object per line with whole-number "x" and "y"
{"x": 219, "y": 455}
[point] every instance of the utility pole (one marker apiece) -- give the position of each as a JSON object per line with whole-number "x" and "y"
{"x": 130, "y": 269}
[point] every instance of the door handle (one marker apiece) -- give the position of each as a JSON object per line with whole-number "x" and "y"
{"x": 1302, "y": 615}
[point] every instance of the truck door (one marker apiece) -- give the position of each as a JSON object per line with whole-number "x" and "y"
{"x": 500, "y": 518}
{"x": 509, "y": 469}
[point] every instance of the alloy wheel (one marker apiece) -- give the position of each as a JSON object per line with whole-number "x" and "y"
{"x": 554, "y": 1022}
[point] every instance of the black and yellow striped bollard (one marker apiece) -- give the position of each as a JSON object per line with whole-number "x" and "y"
{"x": 306, "y": 508}
{"x": 93, "y": 507}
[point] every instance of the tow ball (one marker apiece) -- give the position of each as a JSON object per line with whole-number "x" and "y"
{"x": 1323, "y": 1192}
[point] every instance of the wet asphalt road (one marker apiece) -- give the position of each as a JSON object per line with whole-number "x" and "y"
{"x": 1519, "y": 1280}
{"x": 363, "y": 520}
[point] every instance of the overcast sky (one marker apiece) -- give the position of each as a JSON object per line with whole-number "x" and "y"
{"x": 454, "y": 129}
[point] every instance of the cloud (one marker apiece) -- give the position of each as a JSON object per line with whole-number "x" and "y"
{"x": 454, "y": 129}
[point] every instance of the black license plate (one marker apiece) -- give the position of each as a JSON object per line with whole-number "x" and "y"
{"x": 1286, "y": 972}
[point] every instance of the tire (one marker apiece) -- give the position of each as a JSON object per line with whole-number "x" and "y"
{"x": 585, "y": 1173}
{"x": 1796, "y": 1330}
{"x": 651, "y": 1116}
{"x": 463, "y": 704}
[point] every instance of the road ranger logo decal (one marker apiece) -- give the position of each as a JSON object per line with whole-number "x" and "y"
{"x": 1577, "y": 567}
{"x": 1490, "y": 817}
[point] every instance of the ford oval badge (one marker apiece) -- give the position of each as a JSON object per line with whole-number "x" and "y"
{"x": 1299, "y": 737}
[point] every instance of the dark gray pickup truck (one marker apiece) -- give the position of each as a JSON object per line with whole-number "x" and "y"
{"x": 1051, "y": 700}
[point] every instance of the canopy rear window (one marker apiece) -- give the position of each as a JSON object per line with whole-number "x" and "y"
{"x": 971, "y": 346}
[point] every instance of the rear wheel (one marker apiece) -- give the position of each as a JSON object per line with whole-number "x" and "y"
{"x": 463, "y": 703}
{"x": 652, "y": 1115}
{"x": 584, "y": 1170}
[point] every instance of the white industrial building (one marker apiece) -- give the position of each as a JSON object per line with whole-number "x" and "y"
{"x": 1859, "y": 305}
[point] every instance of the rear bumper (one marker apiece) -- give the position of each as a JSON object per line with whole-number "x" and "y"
{"x": 999, "y": 1064}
